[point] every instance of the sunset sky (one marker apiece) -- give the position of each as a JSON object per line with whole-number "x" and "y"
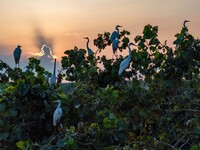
{"x": 62, "y": 24}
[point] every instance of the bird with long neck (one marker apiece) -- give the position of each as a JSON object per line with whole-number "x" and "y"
{"x": 184, "y": 23}
{"x": 57, "y": 113}
{"x": 185, "y": 29}
{"x": 115, "y": 39}
{"x": 115, "y": 34}
{"x": 87, "y": 46}
{"x": 125, "y": 63}
{"x": 53, "y": 76}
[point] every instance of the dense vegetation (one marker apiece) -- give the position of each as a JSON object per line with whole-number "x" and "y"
{"x": 154, "y": 104}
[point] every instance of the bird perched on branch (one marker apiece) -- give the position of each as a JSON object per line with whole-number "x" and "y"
{"x": 17, "y": 54}
{"x": 57, "y": 113}
{"x": 125, "y": 63}
{"x": 115, "y": 34}
{"x": 185, "y": 29}
{"x": 184, "y": 23}
{"x": 87, "y": 45}
{"x": 53, "y": 76}
{"x": 115, "y": 39}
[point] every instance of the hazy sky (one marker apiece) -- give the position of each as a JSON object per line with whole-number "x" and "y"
{"x": 62, "y": 24}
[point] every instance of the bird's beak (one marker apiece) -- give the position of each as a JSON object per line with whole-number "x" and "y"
{"x": 55, "y": 101}
{"x": 85, "y": 37}
{"x": 120, "y": 26}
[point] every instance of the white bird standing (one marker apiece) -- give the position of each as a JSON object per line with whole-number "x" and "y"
{"x": 53, "y": 76}
{"x": 115, "y": 34}
{"x": 125, "y": 63}
{"x": 17, "y": 54}
{"x": 57, "y": 113}
{"x": 114, "y": 39}
{"x": 87, "y": 45}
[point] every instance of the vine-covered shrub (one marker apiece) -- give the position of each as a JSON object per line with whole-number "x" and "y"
{"x": 154, "y": 104}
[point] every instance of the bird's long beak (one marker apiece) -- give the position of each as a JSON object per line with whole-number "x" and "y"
{"x": 85, "y": 37}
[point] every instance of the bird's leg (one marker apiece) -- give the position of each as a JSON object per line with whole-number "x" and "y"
{"x": 98, "y": 50}
{"x": 116, "y": 56}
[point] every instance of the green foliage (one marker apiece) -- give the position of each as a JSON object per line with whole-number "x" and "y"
{"x": 152, "y": 105}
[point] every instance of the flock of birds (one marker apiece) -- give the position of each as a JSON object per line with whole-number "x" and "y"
{"x": 114, "y": 38}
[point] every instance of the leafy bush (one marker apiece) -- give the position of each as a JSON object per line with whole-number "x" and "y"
{"x": 154, "y": 104}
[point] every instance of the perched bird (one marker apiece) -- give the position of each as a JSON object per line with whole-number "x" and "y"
{"x": 115, "y": 34}
{"x": 114, "y": 39}
{"x": 57, "y": 113}
{"x": 185, "y": 29}
{"x": 184, "y": 23}
{"x": 17, "y": 54}
{"x": 87, "y": 45}
{"x": 53, "y": 76}
{"x": 125, "y": 63}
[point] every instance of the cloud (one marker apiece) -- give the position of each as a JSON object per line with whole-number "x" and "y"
{"x": 41, "y": 39}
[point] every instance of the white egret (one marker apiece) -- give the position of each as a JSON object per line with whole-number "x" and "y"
{"x": 53, "y": 76}
{"x": 17, "y": 54}
{"x": 115, "y": 34}
{"x": 87, "y": 45}
{"x": 125, "y": 63}
{"x": 57, "y": 113}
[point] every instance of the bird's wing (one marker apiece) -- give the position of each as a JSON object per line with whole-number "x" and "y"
{"x": 115, "y": 45}
{"x": 113, "y": 35}
{"x": 123, "y": 65}
{"x": 59, "y": 112}
{"x": 90, "y": 51}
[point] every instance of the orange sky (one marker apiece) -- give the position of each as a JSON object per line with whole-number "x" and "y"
{"x": 64, "y": 23}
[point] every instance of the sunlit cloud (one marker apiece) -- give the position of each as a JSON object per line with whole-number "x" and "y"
{"x": 45, "y": 50}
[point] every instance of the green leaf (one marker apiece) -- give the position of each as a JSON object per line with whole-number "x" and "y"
{"x": 70, "y": 141}
{"x": 195, "y": 147}
{"x": 10, "y": 89}
{"x": 107, "y": 123}
{"x": 72, "y": 129}
{"x": 21, "y": 145}
{"x": 115, "y": 93}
